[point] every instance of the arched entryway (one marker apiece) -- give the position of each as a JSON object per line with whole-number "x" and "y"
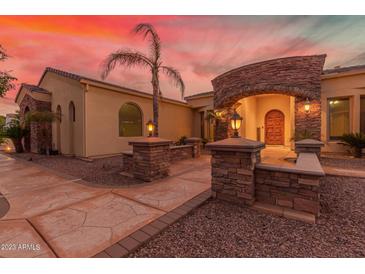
{"x": 274, "y": 127}
{"x": 58, "y": 127}
{"x": 298, "y": 77}
{"x": 72, "y": 119}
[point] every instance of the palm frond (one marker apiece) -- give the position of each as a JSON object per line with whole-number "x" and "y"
{"x": 148, "y": 30}
{"x": 3, "y": 54}
{"x": 175, "y": 76}
{"x": 126, "y": 58}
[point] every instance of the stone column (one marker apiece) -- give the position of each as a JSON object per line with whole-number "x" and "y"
{"x": 196, "y": 142}
{"x": 309, "y": 145}
{"x": 233, "y": 163}
{"x": 151, "y": 158}
{"x": 309, "y": 121}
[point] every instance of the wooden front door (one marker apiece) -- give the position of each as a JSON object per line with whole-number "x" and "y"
{"x": 274, "y": 127}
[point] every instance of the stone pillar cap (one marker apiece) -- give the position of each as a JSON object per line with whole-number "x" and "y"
{"x": 236, "y": 144}
{"x": 309, "y": 143}
{"x": 150, "y": 141}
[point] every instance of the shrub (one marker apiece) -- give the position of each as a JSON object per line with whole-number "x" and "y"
{"x": 15, "y": 132}
{"x": 356, "y": 141}
{"x": 303, "y": 134}
{"x": 181, "y": 141}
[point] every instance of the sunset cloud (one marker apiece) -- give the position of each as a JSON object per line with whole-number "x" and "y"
{"x": 200, "y": 47}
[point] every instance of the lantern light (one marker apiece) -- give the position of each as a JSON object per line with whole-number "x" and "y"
{"x": 7, "y": 148}
{"x": 307, "y": 106}
{"x": 150, "y": 128}
{"x": 236, "y": 121}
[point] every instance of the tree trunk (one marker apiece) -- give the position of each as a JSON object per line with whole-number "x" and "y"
{"x": 156, "y": 88}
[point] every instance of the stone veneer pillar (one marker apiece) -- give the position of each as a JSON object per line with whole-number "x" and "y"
{"x": 309, "y": 145}
{"x": 233, "y": 163}
{"x": 196, "y": 142}
{"x": 151, "y": 158}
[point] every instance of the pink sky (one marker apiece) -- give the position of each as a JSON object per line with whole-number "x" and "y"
{"x": 200, "y": 47}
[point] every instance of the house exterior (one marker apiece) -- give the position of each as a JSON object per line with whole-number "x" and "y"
{"x": 99, "y": 119}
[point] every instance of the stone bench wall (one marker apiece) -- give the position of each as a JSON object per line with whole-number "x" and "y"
{"x": 127, "y": 161}
{"x": 178, "y": 153}
{"x": 287, "y": 189}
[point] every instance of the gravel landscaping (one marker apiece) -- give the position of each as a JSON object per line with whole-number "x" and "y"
{"x": 104, "y": 171}
{"x": 219, "y": 229}
{"x": 347, "y": 162}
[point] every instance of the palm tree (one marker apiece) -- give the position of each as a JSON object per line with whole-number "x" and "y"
{"x": 130, "y": 58}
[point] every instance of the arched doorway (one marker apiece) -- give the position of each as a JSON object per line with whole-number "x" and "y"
{"x": 58, "y": 127}
{"x": 274, "y": 127}
{"x": 298, "y": 76}
{"x": 72, "y": 119}
{"x": 27, "y": 137}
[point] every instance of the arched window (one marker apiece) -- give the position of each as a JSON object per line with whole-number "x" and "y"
{"x": 71, "y": 109}
{"x": 130, "y": 120}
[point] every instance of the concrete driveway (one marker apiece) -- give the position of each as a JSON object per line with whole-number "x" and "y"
{"x": 54, "y": 215}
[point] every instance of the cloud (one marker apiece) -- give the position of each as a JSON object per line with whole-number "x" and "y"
{"x": 200, "y": 47}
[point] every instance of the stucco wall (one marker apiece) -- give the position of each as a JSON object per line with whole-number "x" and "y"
{"x": 65, "y": 90}
{"x": 102, "y": 120}
{"x": 253, "y": 110}
{"x": 349, "y": 86}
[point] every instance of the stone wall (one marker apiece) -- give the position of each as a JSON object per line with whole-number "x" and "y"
{"x": 151, "y": 158}
{"x": 128, "y": 161}
{"x": 298, "y": 76}
{"x": 233, "y": 176}
{"x": 288, "y": 189}
{"x": 178, "y": 153}
{"x": 239, "y": 177}
{"x": 37, "y": 137}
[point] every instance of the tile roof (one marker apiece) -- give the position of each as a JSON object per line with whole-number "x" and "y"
{"x": 343, "y": 69}
{"x": 34, "y": 88}
{"x": 79, "y": 77}
{"x": 199, "y": 94}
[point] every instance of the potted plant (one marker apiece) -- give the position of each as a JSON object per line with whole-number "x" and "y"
{"x": 356, "y": 142}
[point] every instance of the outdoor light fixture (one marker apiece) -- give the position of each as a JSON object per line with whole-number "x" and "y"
{"x": 236, "y": 122}
{"x": 307, "y": 106}
{"x": 150, "y": 128}
{"x": 7, "y": 148}
{"x": 218, "y": 114}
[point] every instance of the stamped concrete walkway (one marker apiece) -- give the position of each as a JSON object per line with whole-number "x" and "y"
{"x": 53, "y": 215}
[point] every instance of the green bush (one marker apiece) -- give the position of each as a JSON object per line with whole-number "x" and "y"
{"x": 356, "y": 141}
{"x": 181, "y": 141}
{"x": 15, "y": 132}
{"x": 302, "y": 134}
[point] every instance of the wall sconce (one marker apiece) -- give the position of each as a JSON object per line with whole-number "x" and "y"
{"x": 307, "y": 106}
{"x": 150, "y": 127}
{"x": 236, "y": 121}
{"x": 218, "y": 114}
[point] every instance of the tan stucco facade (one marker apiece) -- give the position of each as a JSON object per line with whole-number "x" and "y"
{"x": 102, "y": 119}
{"x": 71, "y": 135}
{"x": 95, "y": 130}
{"x": 345, "y": 85}
{"x": 254, "y": 109}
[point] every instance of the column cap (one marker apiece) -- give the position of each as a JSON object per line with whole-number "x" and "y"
{"x": 150, "y": 141}
{"x": 236, "y": 144}
{"x": 309, "y": 143}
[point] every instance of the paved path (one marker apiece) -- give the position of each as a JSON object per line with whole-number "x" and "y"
{"x": 51, "y": 215}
